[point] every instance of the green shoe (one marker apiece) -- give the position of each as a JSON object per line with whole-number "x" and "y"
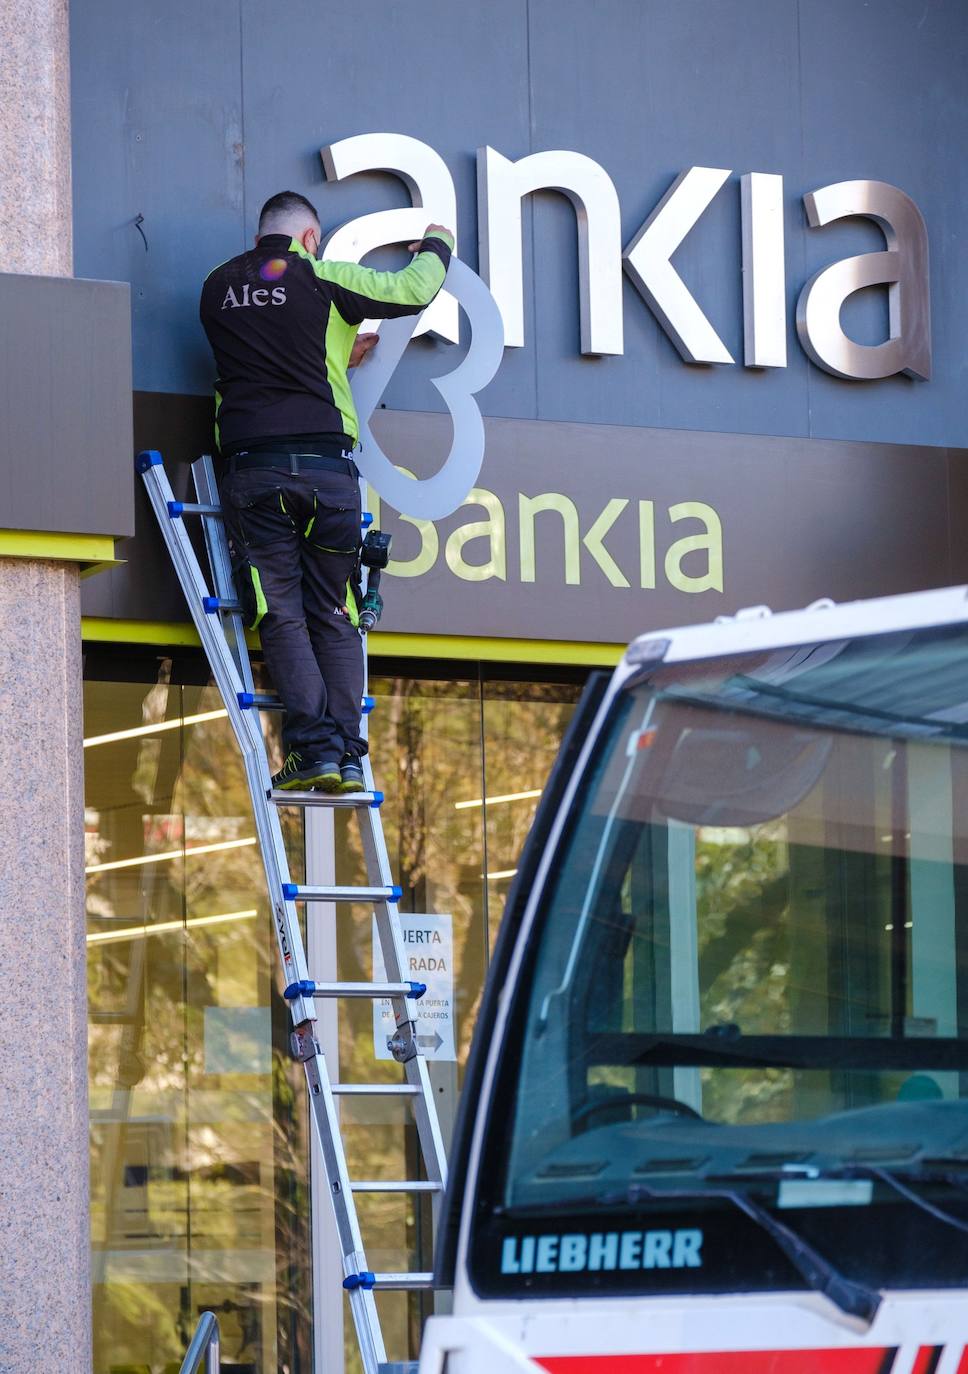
{"x": 351, "y": 776}
{"x": 300, "y": 772}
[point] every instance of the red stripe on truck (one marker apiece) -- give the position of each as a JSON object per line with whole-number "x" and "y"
{"x": 926, "y": 1360}
{"x": 843, "y": 1360}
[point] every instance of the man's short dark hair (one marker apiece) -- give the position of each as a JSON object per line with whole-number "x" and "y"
{"x": 279, "y": 207}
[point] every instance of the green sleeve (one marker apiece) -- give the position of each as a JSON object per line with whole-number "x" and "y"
{"x": 362, "y": 292}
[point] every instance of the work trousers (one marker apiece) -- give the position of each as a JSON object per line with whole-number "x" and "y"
{"x": 295, "y": 541}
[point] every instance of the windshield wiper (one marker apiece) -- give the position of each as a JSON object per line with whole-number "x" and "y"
{"x": 894, "y": 1178}
{"x": 891, "y": 1178}
{"x": 819, "y": 1274}
{"x": 856, "y": 1299}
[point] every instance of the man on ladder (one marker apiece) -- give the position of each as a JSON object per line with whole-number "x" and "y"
{"x": 283, "y": 328}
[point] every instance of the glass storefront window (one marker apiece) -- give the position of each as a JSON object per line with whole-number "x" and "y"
{"x": 199, "y": 1174}
{"x": 523, "y": 726}
{"x": 200, "y": 1170}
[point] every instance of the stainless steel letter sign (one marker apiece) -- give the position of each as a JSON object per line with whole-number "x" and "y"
{"x": 903, "y": 268}
{"x": 424, "y": 173}
{"x": 647, "y": 261}
{"x": 764, "y": 278}
{"x": 502, "y": 186}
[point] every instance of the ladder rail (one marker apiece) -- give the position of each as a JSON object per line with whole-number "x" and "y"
{"x": 216, "y": 544}
{"x": 204, "y": 1342}
{"x": 395, "y": 964}
{"x": 246, "y": 728}
{"x": 248, "y": 733}
{"x": 223, "y": 638}
{"x": 326, "y": 1118}
{"x": 377, "y": 863}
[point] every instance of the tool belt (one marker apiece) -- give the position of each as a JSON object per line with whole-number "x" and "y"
{"x": 282, "y": 461}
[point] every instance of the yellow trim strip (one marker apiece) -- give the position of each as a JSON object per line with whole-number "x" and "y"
{"x": 102, "y": 565}
{"x": 101, "y": 629}
{"x": 68, "y": 548}
{"x": 459, "y": 647}
{"x": 493, "y": 650}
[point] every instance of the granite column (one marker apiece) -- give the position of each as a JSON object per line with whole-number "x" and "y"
{"x": 44, "y": 1152}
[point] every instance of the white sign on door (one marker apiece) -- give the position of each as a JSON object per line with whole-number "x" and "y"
{"x": 428, "y": 944}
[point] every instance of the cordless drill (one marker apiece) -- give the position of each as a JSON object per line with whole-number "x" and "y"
{"x": 374, "y": 555}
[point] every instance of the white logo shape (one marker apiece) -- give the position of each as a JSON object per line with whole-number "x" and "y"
{"x": 434, "y": 497}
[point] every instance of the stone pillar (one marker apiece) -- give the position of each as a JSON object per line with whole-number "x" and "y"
{"x": 45, "y": 1294}
{"x": 36, "y": 232}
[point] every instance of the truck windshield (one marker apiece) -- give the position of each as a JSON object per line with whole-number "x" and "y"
{"x": 748, "y": 975}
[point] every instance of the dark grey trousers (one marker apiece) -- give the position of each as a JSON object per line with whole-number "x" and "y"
{"x": 294, "y": 543}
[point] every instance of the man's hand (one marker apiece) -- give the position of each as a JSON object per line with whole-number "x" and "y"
{"x": 430, "y": 229}
{"x": 361, "y": 346}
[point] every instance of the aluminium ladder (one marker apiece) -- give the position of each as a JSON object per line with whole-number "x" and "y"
{"x": 218, "y": 620}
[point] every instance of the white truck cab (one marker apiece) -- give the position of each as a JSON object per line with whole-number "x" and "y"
{"x": 716, "y": 1116}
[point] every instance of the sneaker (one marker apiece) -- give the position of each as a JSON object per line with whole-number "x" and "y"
{"x": 301, "y": 772}
{"x": 351, "y": 776}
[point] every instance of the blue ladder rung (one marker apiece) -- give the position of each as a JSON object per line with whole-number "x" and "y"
{"x": 213, "y": 604}
{"x": 308, "y": 987}
{"x": 365, "y": 1279}
{"x": 338, "y": 800}
{"x": 300, "y": 892}
{"x": 265, "y": 701}
{"x": 178, "y": 508}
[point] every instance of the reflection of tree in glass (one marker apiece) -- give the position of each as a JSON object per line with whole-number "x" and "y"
{"x": 426, "y": 744}
{"x": 269, "y": 1154}
{"x": 743, "y": 915}
{"x": 524, "y": 724}
{"x": 208, "y": 1163}
{"x": 426, "y": 750}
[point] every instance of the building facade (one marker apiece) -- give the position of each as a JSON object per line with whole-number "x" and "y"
{"x": 724, "y": 237}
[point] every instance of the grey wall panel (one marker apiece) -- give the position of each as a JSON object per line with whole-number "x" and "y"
{"x": 958, "y": 514}
{"x": 157, "y": 131}
{"x": 452, "y": 76}
{"x": 880, "y": 99}
{"x": 800, "y": 518}
{"x": 65, "y": 406}
{"x": 816, "y": 90}
{"x": 144, "y": 586}
{"x": 649, "y": 90}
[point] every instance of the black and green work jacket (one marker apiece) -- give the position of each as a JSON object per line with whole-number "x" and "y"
{"x": 282, "y": 325}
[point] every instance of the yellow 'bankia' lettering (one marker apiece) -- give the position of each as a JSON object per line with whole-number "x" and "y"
{"x": 711, "y": 541}
{"x": 708, "y": 541}
{"x": 594, "y": 542}
{"x": 492, "y": 529}
{"x": 528, "y": 508}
